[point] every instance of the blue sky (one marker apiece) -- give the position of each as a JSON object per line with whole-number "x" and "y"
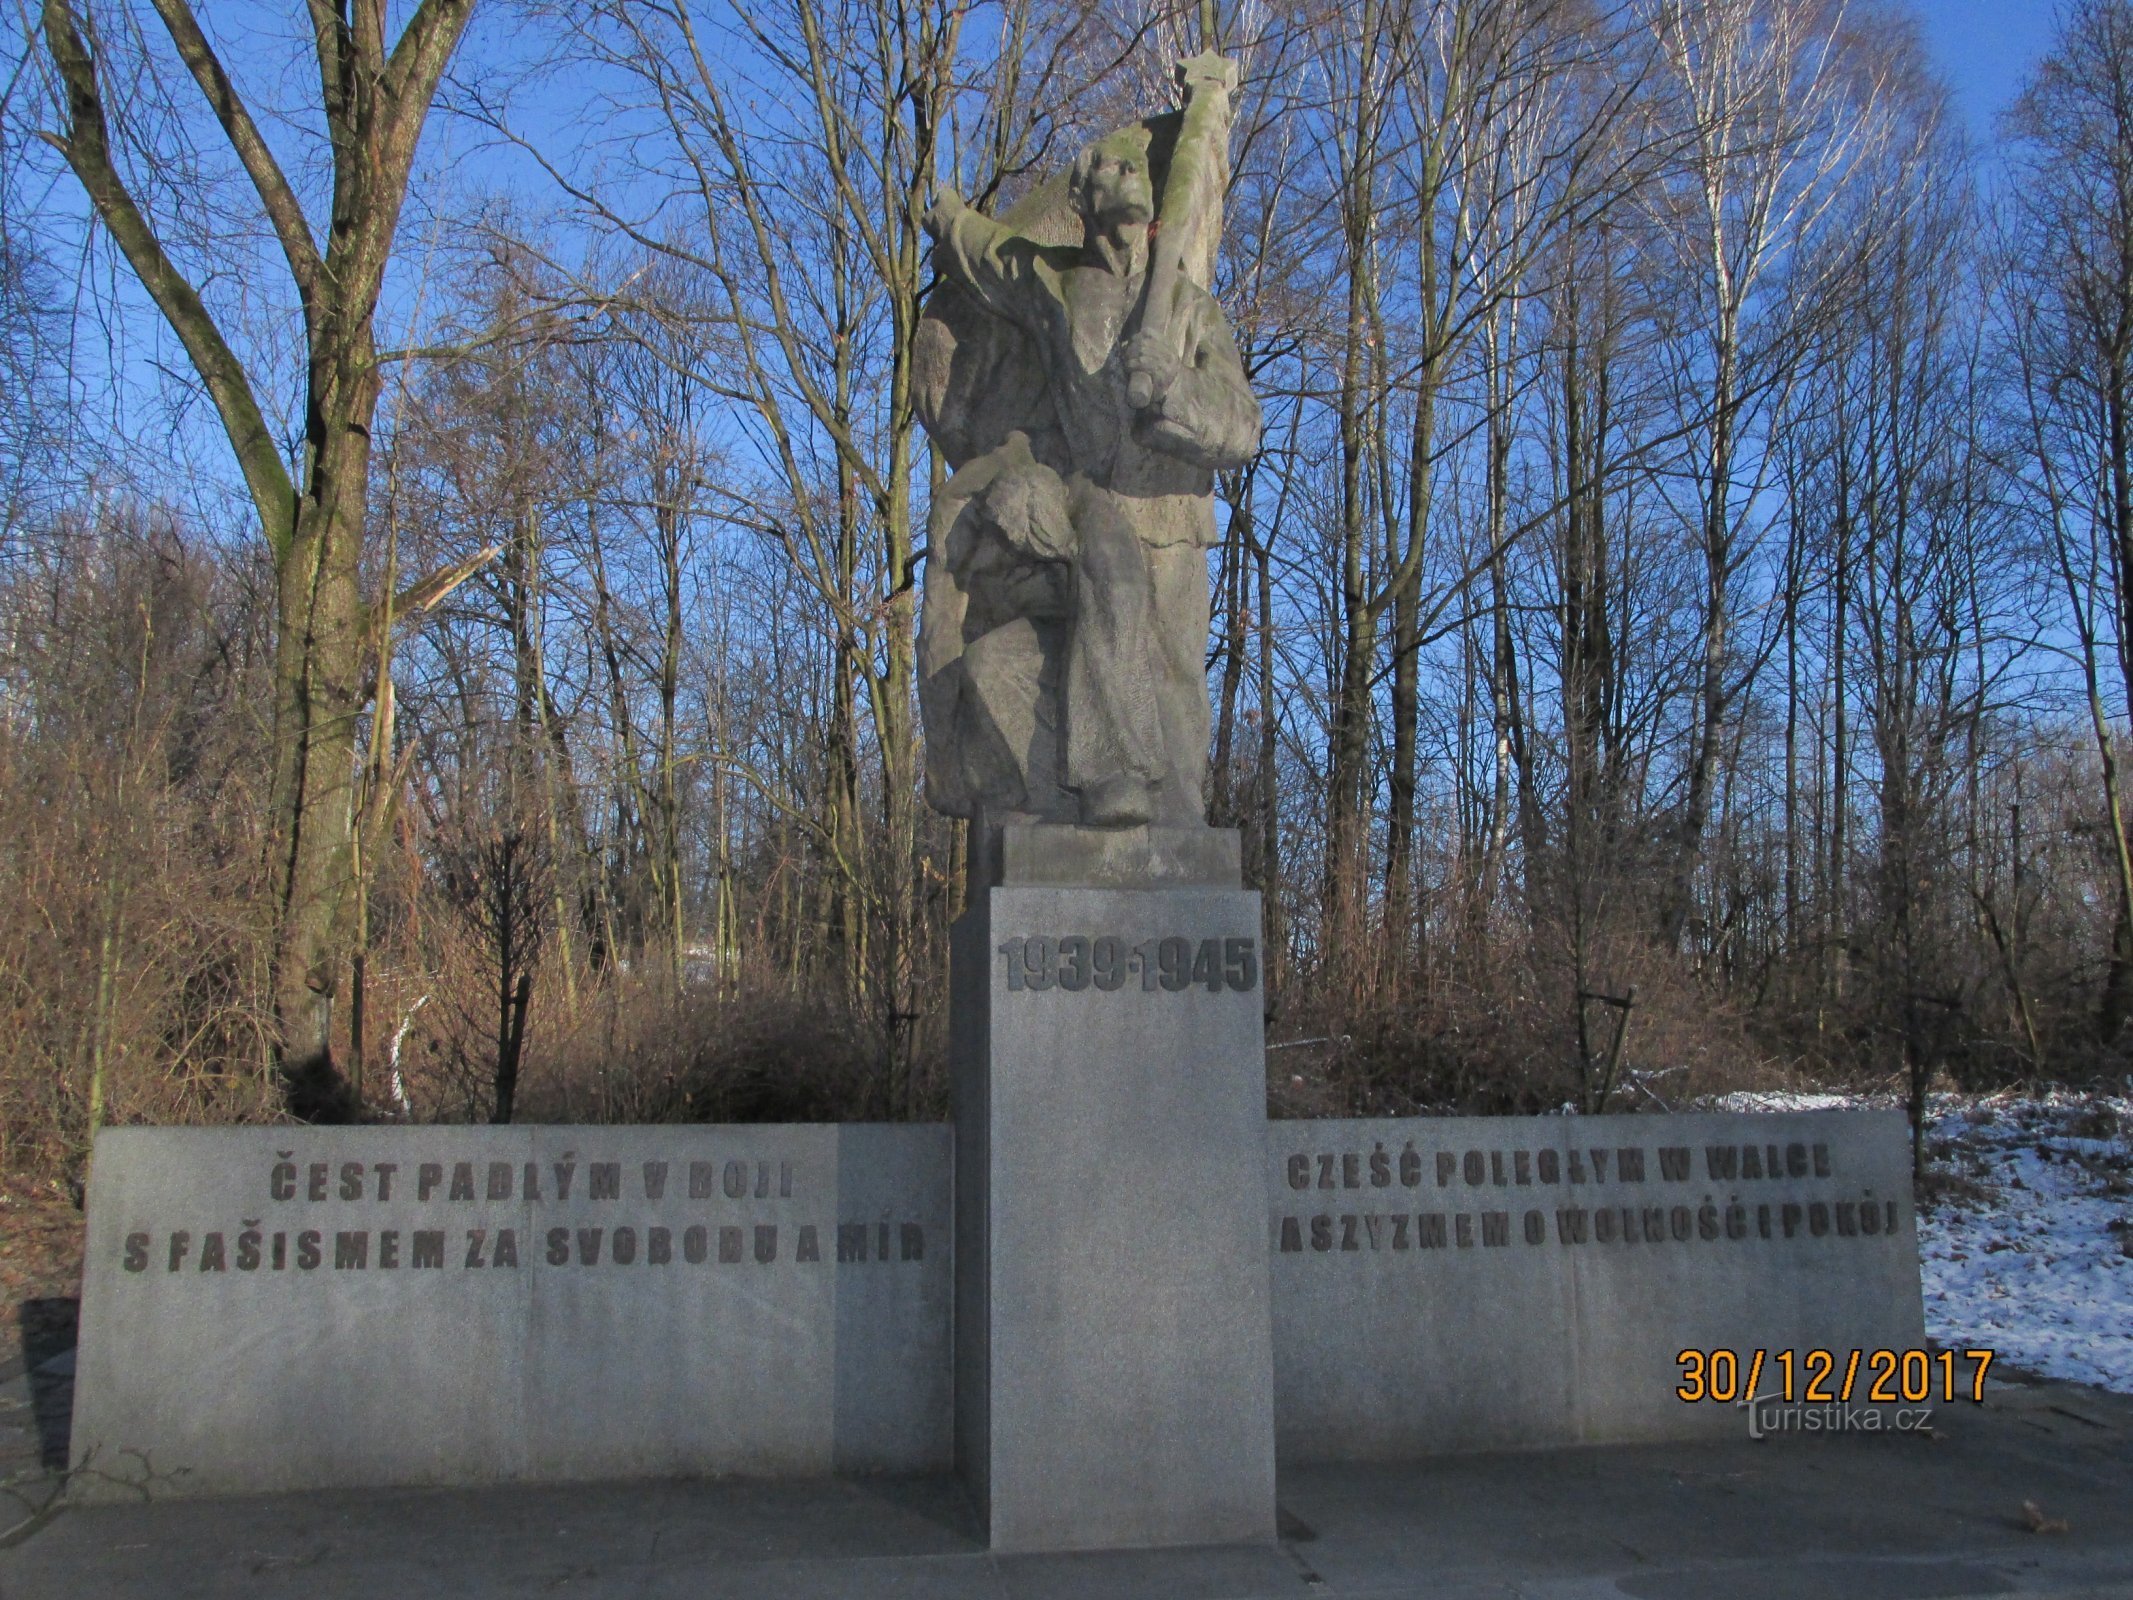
{"x": 1985, "y": 48}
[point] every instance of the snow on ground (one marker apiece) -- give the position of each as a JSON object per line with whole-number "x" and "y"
{"x": 2025, "y": 1250}
{"x": 2025, "y": 1229}
{"x": 1789, "y": 1100}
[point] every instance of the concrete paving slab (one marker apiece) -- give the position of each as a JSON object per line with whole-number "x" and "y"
{"x": 1856, "y": 1580}
{"x": 1209, "y": 1573}
{"x": 961, "y": 1577}
{"x": 1936, "y": 1518}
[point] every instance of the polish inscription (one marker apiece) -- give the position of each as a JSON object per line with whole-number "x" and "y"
{"x": 1604, "y": 1195}
{"x": 277, "y": 1240}
{"x": 1448, "y": 1284}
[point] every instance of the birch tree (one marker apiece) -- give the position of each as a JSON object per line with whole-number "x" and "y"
{"x": 1770, "y": 94}
{"x": 2070, "y": 306}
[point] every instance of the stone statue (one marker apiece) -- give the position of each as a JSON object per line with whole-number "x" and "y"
{"x": 1083, "y": 384}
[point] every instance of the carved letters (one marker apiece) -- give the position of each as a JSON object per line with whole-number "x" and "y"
{"x": 1716, "y": 1214}
{"x": 1106, "y": 962}
{"x": 257, "y": 1245}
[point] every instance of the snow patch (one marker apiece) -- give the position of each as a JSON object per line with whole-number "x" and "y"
{"x": 2024, "y": 1232}
{"x": 2025, "y": 1251}
{"x": 1793, "y": 1100}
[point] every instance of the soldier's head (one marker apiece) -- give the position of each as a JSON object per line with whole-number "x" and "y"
{"x": 1109, "y": 183}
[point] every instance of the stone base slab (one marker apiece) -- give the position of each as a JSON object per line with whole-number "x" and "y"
{"x": 1032, "y": 854}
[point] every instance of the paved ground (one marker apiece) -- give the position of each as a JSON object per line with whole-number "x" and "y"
{"x": 1825, "y": 1519}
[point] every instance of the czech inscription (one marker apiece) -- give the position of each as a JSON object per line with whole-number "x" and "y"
{"x": 275, "y": 1242}
{"x": 1718, "y": 1214}
{"x": 1076, "y": 961}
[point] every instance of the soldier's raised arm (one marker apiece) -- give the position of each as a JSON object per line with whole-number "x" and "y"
{"x": 1002, "y": 269}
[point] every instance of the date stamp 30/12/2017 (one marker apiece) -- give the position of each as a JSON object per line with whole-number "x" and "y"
{"x": 1832, "y": 1377}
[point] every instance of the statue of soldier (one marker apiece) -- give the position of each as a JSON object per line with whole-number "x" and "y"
{"x": 1086, "y": 396}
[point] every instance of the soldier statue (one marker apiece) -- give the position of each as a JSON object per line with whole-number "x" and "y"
{"x": 1083, "y": 383}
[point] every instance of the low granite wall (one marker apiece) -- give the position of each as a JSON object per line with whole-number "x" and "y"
{"x": 285, "y": 1308}
{"x": 1501, "y": 1282}
{"x": 296, "y": 1308}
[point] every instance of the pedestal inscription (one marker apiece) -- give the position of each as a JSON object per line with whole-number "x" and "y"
{"x": 1113, "y": 1352}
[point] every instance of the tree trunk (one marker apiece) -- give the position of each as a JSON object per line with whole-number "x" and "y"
{"x": 318, "y": 697}
{"x": 1235, "y": 589}
{"x": 2115, "y": 1005}
{"x": 1269, "y": 808}
{"x": 375, "y": 99}
{"x": 1348, "y": 761}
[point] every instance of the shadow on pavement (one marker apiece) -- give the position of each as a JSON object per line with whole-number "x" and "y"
{"x": 47, "y": 1328}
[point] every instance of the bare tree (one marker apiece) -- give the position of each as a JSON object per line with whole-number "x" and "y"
{"x": 374, "y": 97}
{"x": 1781, "y": 115}
{"x": 2070, "y": 298}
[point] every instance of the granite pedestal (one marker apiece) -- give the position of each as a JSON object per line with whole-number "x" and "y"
{"x": 1114, "y": 1369}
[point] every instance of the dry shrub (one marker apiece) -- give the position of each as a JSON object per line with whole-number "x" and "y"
{"x": 2099, "y": 1121}
{"x": 1943, "y": 1186}
{"x": 133, "y": 956}
{"x": 1498, "y": 1036}
{"x": 620, "y": 1048}
{"x": 762, "y": 1053}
